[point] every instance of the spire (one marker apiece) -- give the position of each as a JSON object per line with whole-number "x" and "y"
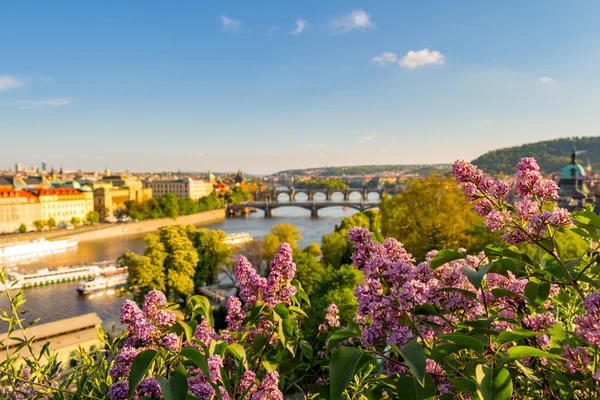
{"x": 573, "y": 156}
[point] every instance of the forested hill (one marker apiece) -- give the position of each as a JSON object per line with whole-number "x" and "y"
{"x": 552, "y": 155}
{"x": 425, "y": 169}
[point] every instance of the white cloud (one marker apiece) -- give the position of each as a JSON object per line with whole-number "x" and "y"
{"x": 357, "y": 19}
{"x": 420, "y": 58}
{"x": 385, "y": 58}
{"x": 300, "y": 25}
{"x": 8, "y": 82}
{"x": 363, "y": 139}
{"x": 546, "y": 80}
{"x": 230, "y": 24}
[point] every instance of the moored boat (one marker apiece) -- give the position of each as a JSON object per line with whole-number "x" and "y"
{"x": 36, "y": 248}
{"x": 108, "y": 279}
{"x": 238, "y": 238}
{"x": 18, "y": 280}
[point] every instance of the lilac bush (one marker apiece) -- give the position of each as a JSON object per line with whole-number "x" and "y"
{"x": 501, "y": 324}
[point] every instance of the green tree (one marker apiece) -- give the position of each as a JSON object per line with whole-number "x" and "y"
{"x": 170, "y": 205}
{"x": 180, "y": 261}
{"x": 313, "y": 249}
{"x": 39, "y": 224}
{"x": 145, "y": 272}
{"x": 22, "y": 228}
{"x": 238, "y": 195}
{"x": 213, "y": 254}
{"x": 430, "y": 214}
{"x": 336, "y": 248}
{"x": 92, "y": 217}
{"x": 75, "y": 221}
{"x": 254, "y": 251}
{"x": 309, "y": 271}
{"x": 51, "y": 223}
{"x": 281, "y": 233}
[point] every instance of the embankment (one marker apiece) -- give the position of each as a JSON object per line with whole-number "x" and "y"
{"x": 102, "y": 231}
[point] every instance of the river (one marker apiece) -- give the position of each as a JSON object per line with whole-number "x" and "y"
{"x": 51, "y": 303}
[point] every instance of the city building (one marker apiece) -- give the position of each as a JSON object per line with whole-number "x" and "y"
{"x": 43, "y": 166}
{"x": 65, "y": 337}
{"x": 18, "y": 167}
{"x": 109, "y": 200}
{"x": 63, "y": 204}
{"x": 185, "y": 188}
{"x": 17, "y": 207}
{"x": 573, "y": 185}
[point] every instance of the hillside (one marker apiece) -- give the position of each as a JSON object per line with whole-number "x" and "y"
{"x": 368, "y": 170}
{"x": 552, "y": 155}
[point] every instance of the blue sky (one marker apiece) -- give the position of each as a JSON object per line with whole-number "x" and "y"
{"x": 270, "y": 85}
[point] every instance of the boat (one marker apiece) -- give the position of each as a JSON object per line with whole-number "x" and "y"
{"x": 346, "y": 208}
{"x": 110, "y": 277}
{"x": 45, "y": 276}
{"x": 238, "y": 238}
{"x": 36, "y": 248}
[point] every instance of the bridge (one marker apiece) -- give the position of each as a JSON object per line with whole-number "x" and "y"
{"x": 271, "y": 195}
{"x": 313, "y": 206}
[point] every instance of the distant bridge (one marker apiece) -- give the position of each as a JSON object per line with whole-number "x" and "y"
{"x": 314, "y": 207}
{"x": 271, "y": 195}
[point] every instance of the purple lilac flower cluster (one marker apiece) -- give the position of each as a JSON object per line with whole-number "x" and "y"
{"x": 587, "y": 326}
{"x": 147, "y": 329}
{"x": 394, "y": 286}
{"x": 528, "y": 221}
{"x": 274, "y": 290}
{"x": 332, "y": 318}
{"x": 23, "y": 390}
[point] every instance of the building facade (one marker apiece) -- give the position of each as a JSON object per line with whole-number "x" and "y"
{"x": 108, "y": 201}
{"x": 63, "y": 204}
{"x": 185, "y": 188}
{"x": 17, "y": 207}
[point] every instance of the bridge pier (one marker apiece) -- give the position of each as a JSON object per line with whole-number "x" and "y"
{"x": 346, "y": 195}
{"x": 314, "y": 212}
{"x": 365, "y": 195}
{"x": 311, "y": 195}
{"x": 268, "y": 212}
{"x": 292, "y": 195}
{"x": 328, "y": 195}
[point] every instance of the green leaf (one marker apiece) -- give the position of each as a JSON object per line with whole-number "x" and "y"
{"x": 517, "y": 352}
{"x": 179, "y": 386}
{"x": 255, "y": 311}
{"x": 139, "y": 368}
{"x": 438, "y": 353}
{"x": 536, "y": 294}
{"x": 409, "y": 388}
{"x": 165, "y": 387}
{"x": 237, "y": 350}
{"x": 306, "y": 349}
{"x": 493, "y": 384}
{"x": 493, "y": 250}
{"x": 298, "y": 310}
{"x": 260, "y": 341}
{"x": 194, "y": 355}
{"x": 288, "y": 328}
{"x": 269, "y": 366}
{"x": 475, "y": 277}
{"x": 515, "y": 335}
{"x": 499, "y": 293}
{"x": 282, "y": 311}
{"x": 189, "y": 334}
{"x": 342, "y": 369}
{"x": 444, "y": 256}
{"x": 426, "y": 309}
{"x": 465, "y": 340}
{"x": 464, "y": 385}
{"x": 414, "y": 357}
{"x": 339, "y": 336}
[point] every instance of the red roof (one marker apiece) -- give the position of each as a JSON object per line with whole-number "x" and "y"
{"x": 8, "y": 192}
{"x": 56, "y": 191}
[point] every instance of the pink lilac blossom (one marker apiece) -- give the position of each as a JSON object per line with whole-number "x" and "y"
{"x": 578, "y": 358}
{"x": 200, "y": 388}
{"x": 587, "y": 326}
{"x": 170, "y": 342}
{"x": 215, "y": 363}
{"x": 248, "y": 383}
{"x": 122, "y": 362}
{"x": 269, "y": 388}
{"x": 149, "y": 387}
{"x": 235, "y": 315}
{"x": 119, "y": 390}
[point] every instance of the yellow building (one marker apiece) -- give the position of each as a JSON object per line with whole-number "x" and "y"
{"x": 65, "y": 337}
{"x": 185, "y": 188}
{"x": 17, "y": 207}
{"x": 109, "y": 200}
{"x": 63, "y": 204}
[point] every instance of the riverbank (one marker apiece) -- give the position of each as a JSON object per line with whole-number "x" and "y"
{"x": 104, "y": 231}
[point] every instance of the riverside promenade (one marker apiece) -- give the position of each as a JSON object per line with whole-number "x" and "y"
{"x": 103, "y": 231}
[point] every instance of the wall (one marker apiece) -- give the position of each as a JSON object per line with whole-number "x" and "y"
{"x": 102, "y": 231}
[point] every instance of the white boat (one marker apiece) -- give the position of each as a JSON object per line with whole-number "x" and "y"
{"x": 36, "y": 248}
{"x": 17, "y": 280}
{"x": 103, "y": 282}
{"x": 238, "y": 238}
